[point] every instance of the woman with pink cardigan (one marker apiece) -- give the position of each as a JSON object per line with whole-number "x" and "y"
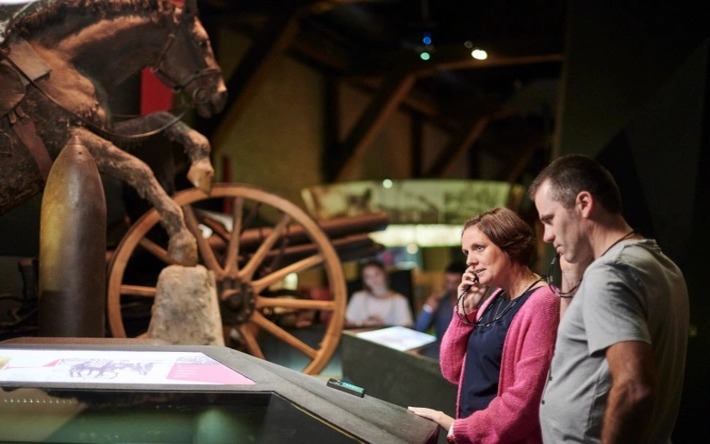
{"x": 498, "y": 348}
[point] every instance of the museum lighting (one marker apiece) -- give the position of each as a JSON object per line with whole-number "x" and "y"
{"x": 422, "y": 212}
{"x": 426, "y": 46}
{"x": 426, "y": 38}
{"x": 476, "y": 53}
{"x": 479, "y": 54}
{"x": 420, "y": 235}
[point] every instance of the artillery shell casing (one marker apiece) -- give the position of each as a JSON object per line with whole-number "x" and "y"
{"x": 72, "y": 247}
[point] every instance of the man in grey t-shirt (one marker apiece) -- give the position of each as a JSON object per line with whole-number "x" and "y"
{"x": 617, "y": 372}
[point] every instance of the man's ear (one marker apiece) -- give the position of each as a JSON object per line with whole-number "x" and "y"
{"x": 584, "y": 203}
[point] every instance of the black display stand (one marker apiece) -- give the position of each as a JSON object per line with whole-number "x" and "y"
{"x": 282, "y": 405}
{"x": 406, "y": 378}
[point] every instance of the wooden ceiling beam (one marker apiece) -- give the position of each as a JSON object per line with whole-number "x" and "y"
{"x": 465, "y": 139}
{"x": 392, "y": 91}
{"x": 497, "y": 60}
{"x": 529, "y": 148}
{"x": 457, "y": 57}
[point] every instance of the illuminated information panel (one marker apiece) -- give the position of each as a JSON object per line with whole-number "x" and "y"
{"x": 115, "y": 367}
{"x": 107, "y": 392}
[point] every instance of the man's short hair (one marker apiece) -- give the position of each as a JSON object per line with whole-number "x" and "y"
{"x": 571, "y": 174}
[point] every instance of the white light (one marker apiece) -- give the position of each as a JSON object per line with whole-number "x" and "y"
{"x": 432, "y": 235}
{"x": 479, "y": 54}
{"x": 205, "y": 231}
{"x": 387, "y": 183}
{"x": 291, "y": 281}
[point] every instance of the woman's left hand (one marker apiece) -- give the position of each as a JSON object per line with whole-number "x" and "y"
{"x": 437, "y": 416}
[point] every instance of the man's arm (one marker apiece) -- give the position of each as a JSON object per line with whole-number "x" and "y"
{"x": 632, "y": 393}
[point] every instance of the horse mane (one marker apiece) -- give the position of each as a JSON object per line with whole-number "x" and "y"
{"x": 53, "y": 13}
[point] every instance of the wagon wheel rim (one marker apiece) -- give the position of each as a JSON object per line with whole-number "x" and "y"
{"x": 239, "y": 279}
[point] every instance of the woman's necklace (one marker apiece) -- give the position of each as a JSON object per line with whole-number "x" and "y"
{"x": 622, "y": 238}
{"x": 499, "y": 303}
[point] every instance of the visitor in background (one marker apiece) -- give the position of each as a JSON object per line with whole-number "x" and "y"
{"x": 376, "y": 305}
{"x": 438, "y": 309}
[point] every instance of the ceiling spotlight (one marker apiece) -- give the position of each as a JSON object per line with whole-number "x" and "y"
{"x": 426, "y": 46}
{"x": 426, "y": 38}
{"x": 479, "y": 54}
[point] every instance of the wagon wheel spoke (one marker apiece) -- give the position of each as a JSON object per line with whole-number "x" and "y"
{"x": 295, "y": 304}
{"x": 138, "y": 290}
{"x": 231, "y": 264}
{"x": 156, "y": 250}
{"x": 216, "y": 226}
{"x": 283, "y": 335}
{"x": 258, "y": 257}
{"x": 260, "y": 284}
{"x": 250, "y": 341}
{"x": 206, "y": 250}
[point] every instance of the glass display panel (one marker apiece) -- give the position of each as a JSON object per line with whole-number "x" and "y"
{"x": 89, "y": 416}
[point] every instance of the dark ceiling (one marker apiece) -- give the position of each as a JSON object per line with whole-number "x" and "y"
{"x": 503, "y": 105}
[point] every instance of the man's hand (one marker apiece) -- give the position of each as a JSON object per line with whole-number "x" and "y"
{"x": 432, "y": 302}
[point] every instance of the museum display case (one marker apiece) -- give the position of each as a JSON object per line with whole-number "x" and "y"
{"x": 62, "y": 390}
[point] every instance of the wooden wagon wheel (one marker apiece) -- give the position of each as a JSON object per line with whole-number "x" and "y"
{"x": 253, "y": 241}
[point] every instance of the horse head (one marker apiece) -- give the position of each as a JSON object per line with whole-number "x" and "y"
{"x": 187, "y": 63}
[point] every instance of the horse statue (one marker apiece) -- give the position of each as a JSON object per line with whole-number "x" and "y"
{"x": 60, "y": 64}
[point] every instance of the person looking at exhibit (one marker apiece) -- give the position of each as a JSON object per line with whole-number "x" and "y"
{"x": 376, "y": 305}
{"x": 497, "y": 348}
{"x": 619, "y": 362}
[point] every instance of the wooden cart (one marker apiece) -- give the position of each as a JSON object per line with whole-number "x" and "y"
{"x": 256, "y": 244}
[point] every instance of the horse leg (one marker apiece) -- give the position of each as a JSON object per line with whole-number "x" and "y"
{"x": 196, "y": 145}
{"x": 182, "y": 246}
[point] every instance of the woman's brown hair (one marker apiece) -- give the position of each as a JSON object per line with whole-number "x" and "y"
{"x": 508, "y": 231}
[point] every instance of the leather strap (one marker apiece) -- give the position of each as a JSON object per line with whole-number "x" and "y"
{"x": 32, "y": 67}
{"x": 25, "y": 129}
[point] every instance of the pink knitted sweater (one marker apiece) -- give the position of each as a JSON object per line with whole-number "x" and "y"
{"x": 512, "y": 416}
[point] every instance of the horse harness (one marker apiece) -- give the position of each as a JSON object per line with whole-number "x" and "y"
{"x": 20, "y": 66}
{"x": 165, "y": 78}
